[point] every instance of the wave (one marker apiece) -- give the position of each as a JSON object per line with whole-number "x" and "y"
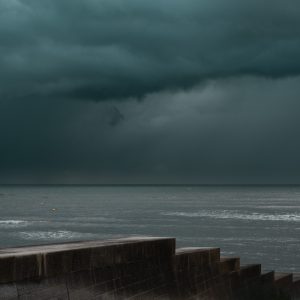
{"x": 13, "y": 223}
{"x": 279, "y": 206}
{"x": 53, "y": 235}
{"x": 226, "y": 214}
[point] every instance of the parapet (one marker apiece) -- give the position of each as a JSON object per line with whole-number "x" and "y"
{"x": 135, "y": 268}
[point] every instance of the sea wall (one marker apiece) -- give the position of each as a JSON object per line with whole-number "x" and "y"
{"x": 135, "y": 268}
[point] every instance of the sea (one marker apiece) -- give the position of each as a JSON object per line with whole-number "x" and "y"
{"x": 260, "y": 224}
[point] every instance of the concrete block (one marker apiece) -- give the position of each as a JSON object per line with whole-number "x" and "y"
{"x": 134, "y": 268}
{"x": 42, "y": 289}
{"x": 106, "y": 287}
{"x": 186, "y": 258}
{"x": 8, "y": 291}
{"x": 57, "y": 263}
{"x": 82, "y": 294}
{"x": 136, "y": 250}
{"x": 296, "y": 287}
{"x": 80, "y": 280}
{"x": 229, "y": 264}
{"x": 7, "y": 269}
{"x": 283, "y": 280}
{"x": 33, "y": 285}
{"x": 250, "y": 272}
{"x": 267, "y": 277}
{"x": 28, "y": 266}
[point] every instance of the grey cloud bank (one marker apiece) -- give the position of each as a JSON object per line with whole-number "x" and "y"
{"x": 149, "y": 91}
{"x": 100, "y": 50}
{"x": 231, "y": 131}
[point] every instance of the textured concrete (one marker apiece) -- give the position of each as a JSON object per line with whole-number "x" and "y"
{"x": 135, "y": 268}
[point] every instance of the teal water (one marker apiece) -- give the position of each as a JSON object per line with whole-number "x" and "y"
{"x": 257, "y": 223}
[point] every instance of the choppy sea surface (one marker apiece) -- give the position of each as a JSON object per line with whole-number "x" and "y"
{"x": 261, "y": 224}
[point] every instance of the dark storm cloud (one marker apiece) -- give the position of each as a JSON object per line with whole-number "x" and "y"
{"x": 220, "y": 82}
{"x": 113, "y": 49}
{"x": 230, "y": 131}
{"x": 115, "y": 116}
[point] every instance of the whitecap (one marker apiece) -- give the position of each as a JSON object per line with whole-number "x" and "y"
{"x": 53, "y": 235}
{"x": 13, "y": 223}
{"x": 227, "y": 214}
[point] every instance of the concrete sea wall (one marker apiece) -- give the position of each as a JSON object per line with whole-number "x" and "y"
{"x": 135, "y": 268}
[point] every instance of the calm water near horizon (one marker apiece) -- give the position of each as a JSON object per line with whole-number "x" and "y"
{"x": 261, "y": 224}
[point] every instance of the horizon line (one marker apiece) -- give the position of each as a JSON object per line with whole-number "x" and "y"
{"x": 149, "y": 184}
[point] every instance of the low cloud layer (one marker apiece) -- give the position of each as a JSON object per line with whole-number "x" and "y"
{"x": 229, "y": 131}
{"x": 114, "y": 49}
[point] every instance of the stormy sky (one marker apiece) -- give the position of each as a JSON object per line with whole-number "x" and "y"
{"x": 161, "y": 91}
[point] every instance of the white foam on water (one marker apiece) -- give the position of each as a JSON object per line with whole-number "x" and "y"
{"x": 226, "y": 214}
{"x": 13, "y": 223}
{"x": 53, "y": 235}
{"x": 253, "y": 239}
